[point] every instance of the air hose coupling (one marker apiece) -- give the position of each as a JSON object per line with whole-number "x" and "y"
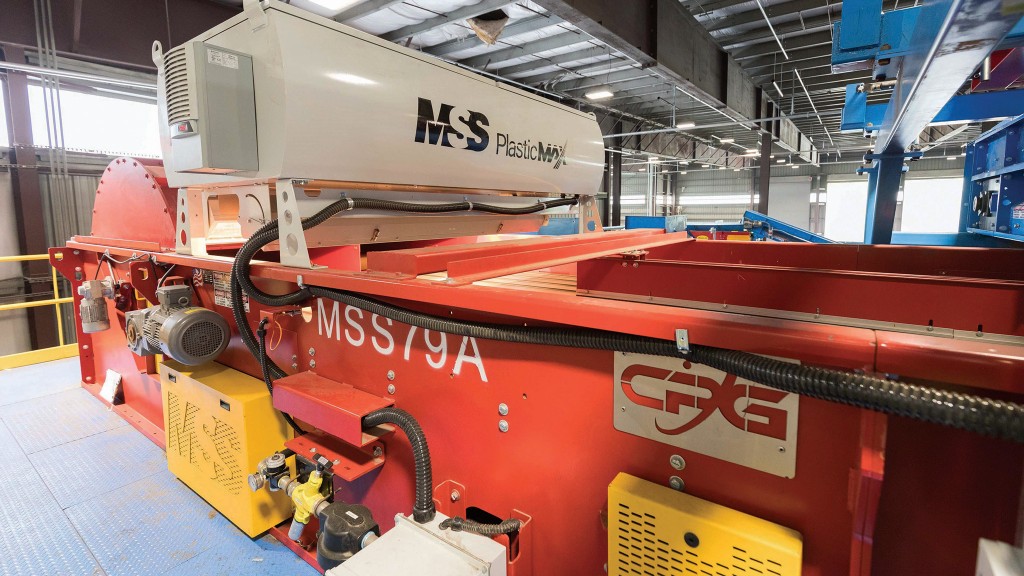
{"x": 307, "y": 499}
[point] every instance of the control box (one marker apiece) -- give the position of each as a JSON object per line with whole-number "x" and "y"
{"x": 219, "y": 423}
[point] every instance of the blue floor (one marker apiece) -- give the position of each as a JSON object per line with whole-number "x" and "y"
{"x": 86, "y": 494}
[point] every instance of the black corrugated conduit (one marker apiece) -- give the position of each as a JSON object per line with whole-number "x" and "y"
{"x": 264, "y": 360}
{"x": 459, "y": 524}
{"x": 423, "y": 510}
{"x": 241, "y": 281}
{"x": 964, "y": 411}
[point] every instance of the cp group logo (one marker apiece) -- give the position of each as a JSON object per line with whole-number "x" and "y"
{"x": 707, "y": 411}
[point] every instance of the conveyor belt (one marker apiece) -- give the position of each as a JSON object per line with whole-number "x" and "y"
{"x": 537, "y": 281}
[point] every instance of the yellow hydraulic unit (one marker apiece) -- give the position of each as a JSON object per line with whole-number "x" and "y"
{"x": 655, "y": 530}
{"x": 219, "y": 424}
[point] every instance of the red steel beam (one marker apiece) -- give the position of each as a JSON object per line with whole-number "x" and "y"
{"x": 980, "y": 364}
{"x": 852, "y": 348}
{"x": 970, "y": 304}
{"x": 1002, "y": 264}
{"x": 816, "y": 344}
{"x": 481, "y": 268}
{"x": 416, "y": 261}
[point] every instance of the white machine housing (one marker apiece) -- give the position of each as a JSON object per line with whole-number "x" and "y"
{"x": 277, "y": 92}
{"x": 278, "y": 111}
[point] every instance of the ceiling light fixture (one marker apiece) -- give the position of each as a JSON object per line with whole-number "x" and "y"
{"x": 777, "y": 89}
{"x": 599, "y": 93}
{"x": 335, "y": 6}
{"x": 726, "y": 140}
{"x": 685, "y": 125}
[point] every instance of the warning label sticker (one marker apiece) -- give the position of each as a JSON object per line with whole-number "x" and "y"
{"x": 221, "y": 58}
{"x": 221, "y": 282}
{"x": 1018, "y": 212}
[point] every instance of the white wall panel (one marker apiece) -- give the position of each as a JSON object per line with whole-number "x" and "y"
{"x": 789, "y": 200}
{"x": 13, "y": 323}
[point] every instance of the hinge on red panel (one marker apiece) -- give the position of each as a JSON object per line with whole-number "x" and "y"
{"x": 682, "y": 340}
{"x": 634, "y": 255}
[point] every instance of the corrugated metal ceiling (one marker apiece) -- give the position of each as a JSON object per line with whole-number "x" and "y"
{"x": 540, "y": 51}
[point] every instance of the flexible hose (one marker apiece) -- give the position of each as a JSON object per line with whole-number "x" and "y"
{"x": 963, "y": 411}
{"x": 261, "y": 332}
{"x": 166, "y": 275}
{"x": 457, "y": 524}
{"x": 269, "y": 232}
{"x": 423, "y": 510}
{"x": 978, "y": 414}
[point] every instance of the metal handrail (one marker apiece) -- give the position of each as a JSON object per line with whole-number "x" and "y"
{"x": 62, "y": 350}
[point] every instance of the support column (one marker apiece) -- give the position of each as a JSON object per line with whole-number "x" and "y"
{"x": 28, "y": 203}
{"x": 764, "y": 173}
{"x": 616, "y": 177}
{"x": 606, "y": 185}
{"x": 883, "y": 191}
{"x": 673, "y": 182}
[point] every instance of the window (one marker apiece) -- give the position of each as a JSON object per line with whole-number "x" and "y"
{"x": 924, "y": 205}
{"x": 932, "y": 205}
{"x": 99, "y": 124}
{"x": 717, "y": 200}
{"x": 846, "y": 210}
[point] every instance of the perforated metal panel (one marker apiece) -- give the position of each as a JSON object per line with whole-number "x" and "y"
{"x": 186, "y": 439}
{"x": 654, "y": 530}
{"x": 220, "y": 423}
{"x": 177, "y": 78}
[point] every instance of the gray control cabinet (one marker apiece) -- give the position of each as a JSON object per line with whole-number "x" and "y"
{"x": 218, "y": 135}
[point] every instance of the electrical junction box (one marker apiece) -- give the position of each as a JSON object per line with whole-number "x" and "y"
{"x": 426, "y": 550}
{"x": 211, "y": 109}
{"x": 219, "y": 424}
{"x": 658, "y": 531}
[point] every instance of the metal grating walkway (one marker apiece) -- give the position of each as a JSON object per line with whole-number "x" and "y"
{"x": 89, "y": 495}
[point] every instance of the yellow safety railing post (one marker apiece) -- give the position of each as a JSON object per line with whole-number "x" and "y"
{"x": 56, "y": 307}
{"x": 62, "y": 350}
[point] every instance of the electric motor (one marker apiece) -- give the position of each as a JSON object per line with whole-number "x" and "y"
{"x": 189, "y": 334}
{"x": 93, "y": 306}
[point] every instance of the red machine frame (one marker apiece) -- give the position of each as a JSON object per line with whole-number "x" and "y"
{"x": 872, "y": 494}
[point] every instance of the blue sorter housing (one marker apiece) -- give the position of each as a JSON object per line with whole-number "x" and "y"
{"x": 666, "y": 223}
{"x": 994, "y": 183}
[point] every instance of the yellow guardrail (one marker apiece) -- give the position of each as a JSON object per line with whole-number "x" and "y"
{"x": 62, "y": 350}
